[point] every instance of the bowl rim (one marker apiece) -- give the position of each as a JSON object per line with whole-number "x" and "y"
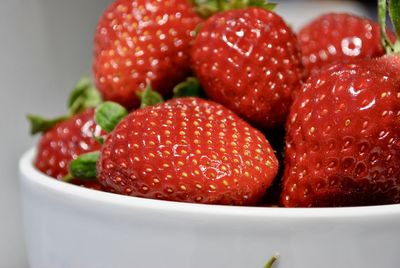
{"x": 30, "y": 173}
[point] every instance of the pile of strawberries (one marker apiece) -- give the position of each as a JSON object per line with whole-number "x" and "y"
{"x": 253, "y": 111}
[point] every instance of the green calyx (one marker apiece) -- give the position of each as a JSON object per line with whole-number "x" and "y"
{"x": 40, "y": 124}
{"x": 207, "y": 8}
{"x": 391, "y": 7}
{"x": 109, "y": 114}
{"x": 189, "y": 88}
{"x": 83, "y": 167}
{"x": 83, "y": 96}
{"x": 149, "y": 97}
{"x": 238, "y": 4}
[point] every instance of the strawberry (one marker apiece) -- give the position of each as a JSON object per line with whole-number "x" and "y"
{"x": 338, "y": 37}
{"x": 189, "y": 150}
{"x": 66, "y": 141}
{"x": 343, "y": 137}
{"x": 343, "y": 132}
{"x": 137, "y": 40}
{"x": 94, "y": 185}
{"x": 249, "y": 60}
{"x": 66, "y": 137}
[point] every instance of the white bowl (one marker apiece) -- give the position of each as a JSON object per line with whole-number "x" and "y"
{"x": 70, "y": 226}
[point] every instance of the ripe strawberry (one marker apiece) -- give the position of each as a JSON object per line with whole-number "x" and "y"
{"x": 94, "y": 185}
{"x": 137, "y": 40}
{"x": 65, "y": 141}
{"x": 249, "y": 60}
{"x": 188, "y": 150}
{"x": 338, "y": 37}
{"x": 343, "y": 137}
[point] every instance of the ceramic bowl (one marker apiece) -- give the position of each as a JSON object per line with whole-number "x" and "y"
{"x": 70, "y": 226}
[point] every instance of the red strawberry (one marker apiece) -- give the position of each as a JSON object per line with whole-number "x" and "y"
{"x": 188, "y": 150}
{"x": 249, "y": 60}
{"x": 343, "y": 137}
{"x": 337, "y": 37}
{"x": 94, "y": 185}
{"x": 66, "y": 141}
{"x": 142, "y": 39}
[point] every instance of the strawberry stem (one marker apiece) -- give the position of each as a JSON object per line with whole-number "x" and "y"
{"x": 109, "y": 114}
{"x": 271, "y": 261}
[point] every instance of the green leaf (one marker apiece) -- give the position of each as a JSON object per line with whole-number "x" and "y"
{"x": 394, "y": 12}
{"x": 271, "y": 262}
{"x": 84, "y": 167}
{"x": 83, "y": 96}
{"x": 220, "y": 4}
{"x": 100, "y": 139}
{"x": 207, "y": 8}
{"x": 263, "y": 4}
{"x": 109, "y": 114}
{"x": 206, "y": 11}
{"x": 189, "y": 88}
{"x": 39, "y": 124}
{"x": 239, "y": 4}
{"x": 149, "y": 97}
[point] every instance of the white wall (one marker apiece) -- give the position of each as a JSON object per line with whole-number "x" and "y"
{"x": 45, "y": 46}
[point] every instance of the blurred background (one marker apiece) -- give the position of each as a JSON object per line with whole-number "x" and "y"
{"x": 45, "y": 48}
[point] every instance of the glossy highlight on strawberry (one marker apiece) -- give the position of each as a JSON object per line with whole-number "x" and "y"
{"x": 249, "y": 60}
{"x": 343, "y": 137}
{"x": 188, "y": 150}
{"x": 140, "y": 40}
